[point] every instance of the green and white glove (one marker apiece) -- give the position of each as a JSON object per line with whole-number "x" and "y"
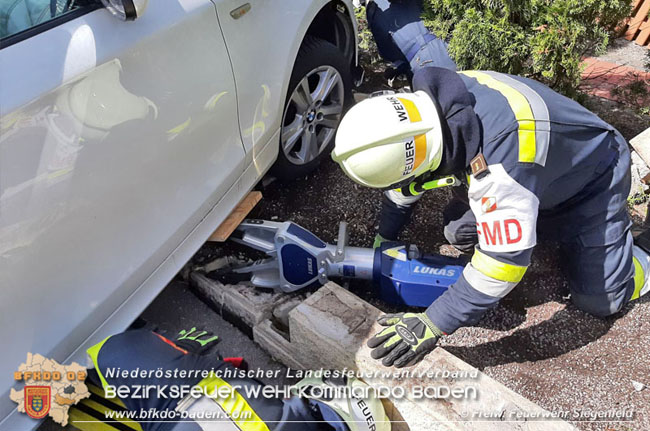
{"x": 196, "y": 341}
{"x": 406, "y": 340}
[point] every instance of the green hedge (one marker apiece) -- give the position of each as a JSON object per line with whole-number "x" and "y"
{"x": 543, "y": 39}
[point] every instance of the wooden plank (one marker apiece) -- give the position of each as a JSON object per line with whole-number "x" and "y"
{"x": 644, "y": 35}
{"x": 622, "y": 27}
{"x": 637, "y": 21}
{"x": 237, "y": 215}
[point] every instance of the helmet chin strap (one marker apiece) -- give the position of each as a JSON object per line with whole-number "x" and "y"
{"x": 418, "y": 187}
{"x": 433, "y": 182}
{"x": 428, "y": 180}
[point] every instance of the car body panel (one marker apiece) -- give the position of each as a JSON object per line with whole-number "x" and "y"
{"x": 127, "y": 195}
{"x": 261, "y": 99}
{"x": 125, "y": 147}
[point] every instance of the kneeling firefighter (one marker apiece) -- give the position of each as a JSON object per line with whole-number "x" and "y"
{"x": 144, "y": 350}
{"x": 531, "y": 160}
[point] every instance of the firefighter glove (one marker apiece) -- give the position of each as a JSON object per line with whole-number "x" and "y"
{"x": 378, "y": 240}
{"x": 406, "y": 340}
{"x": 196, "y": 341}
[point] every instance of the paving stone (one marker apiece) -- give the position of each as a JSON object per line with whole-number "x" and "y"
{"x": 601, "y": 77}
{"x": 276, "y": 345}
{"x": 330, "y": 328}
{"x": 641, "y": 144}
{"x": 251, "y": 305}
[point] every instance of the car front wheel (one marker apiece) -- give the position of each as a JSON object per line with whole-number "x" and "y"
{"x": 319, "y": 88}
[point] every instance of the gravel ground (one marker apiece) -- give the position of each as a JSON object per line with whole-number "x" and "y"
{"x": 626, "y": 120}
{"x": 178, "y": 308}
{"x": 626, "y": 53}
{"x": 535, "y": 342}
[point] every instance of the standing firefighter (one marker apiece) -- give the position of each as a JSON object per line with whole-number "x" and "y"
{"x": 533, "y": 161}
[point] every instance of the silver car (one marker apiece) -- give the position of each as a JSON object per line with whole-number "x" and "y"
{"x": 125, "y": 142}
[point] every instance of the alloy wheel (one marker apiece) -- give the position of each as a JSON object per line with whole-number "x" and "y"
{"x": 312, "y": 115}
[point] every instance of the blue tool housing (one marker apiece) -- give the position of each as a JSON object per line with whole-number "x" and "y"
{"x": 413, "y": 280}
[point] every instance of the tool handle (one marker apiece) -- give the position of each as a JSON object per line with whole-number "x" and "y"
{"x": 341, "y": 242}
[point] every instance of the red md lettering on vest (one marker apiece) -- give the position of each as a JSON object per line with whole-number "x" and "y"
{"x": 500, "y": 232}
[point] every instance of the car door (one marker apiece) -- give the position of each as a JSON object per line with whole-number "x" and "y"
{"x": 116, "y": 139}
{"x": 262, "y": 95}
{"x": 266, "y": 35}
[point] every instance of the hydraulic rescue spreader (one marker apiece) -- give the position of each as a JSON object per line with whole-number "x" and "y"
{"x": 298, "y": 259}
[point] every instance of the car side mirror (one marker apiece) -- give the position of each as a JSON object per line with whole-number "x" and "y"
{"x": 126, "y": 10}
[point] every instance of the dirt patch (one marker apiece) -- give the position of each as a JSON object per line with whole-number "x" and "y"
{"x": 626, "y": 119}
{"x": 535, "y": 342}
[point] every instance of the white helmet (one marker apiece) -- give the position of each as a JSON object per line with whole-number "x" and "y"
{"x": 358, "y": 411}
{"x": 387, "y": 141}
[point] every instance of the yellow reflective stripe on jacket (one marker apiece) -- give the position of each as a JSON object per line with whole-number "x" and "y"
{"x": 496, "y": 269}
{"x": 522, "y": 110}
{"x": 93, "y": 352}
{"x": 100, "y": 393}
{"x": 236, "y": 406}
{"x": 486, "y": 284}
{"x": 540, "y": 114}
{"x": 639, "y": 279}
{"x": 83, "y": 421}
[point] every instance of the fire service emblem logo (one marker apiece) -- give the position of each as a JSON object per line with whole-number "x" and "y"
{"x": 488, "y": 205}
{"x": 50, "y": 388}
{"x": 37, "y": 401}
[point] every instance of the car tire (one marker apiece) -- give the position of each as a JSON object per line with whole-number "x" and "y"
{"x": 319, "y": 91}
